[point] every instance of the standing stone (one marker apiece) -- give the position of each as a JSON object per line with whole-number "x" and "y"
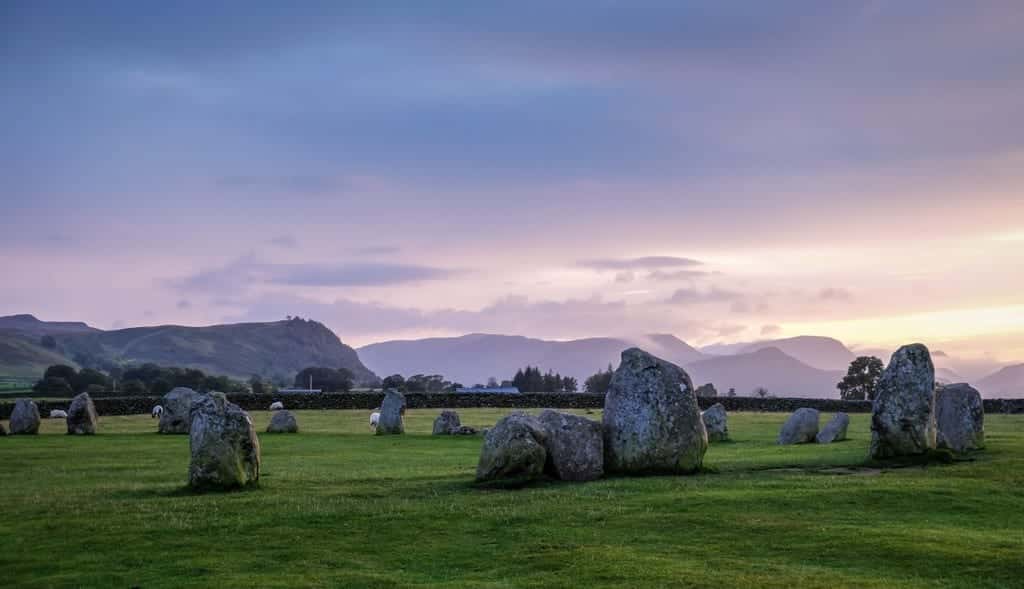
{"x": 903, "y": 412}
{"x": 834, "y": 430}
{"x": 513, "y": 450}
{"x": 225, "y": 449}
{"x": 652, "y": 423}
{"x": 176, "y": 416}
{"x": 82, "y": 416}
{"x": 392, "y": 410}
{"x": 716, "y": 423}
{"x": 960, "y": 417}
{"x": 800, "y": 428}
{"x": 283, "y": 422}
{"x": 447, "y": 424}
{"x": 575, "y": 446}
{"x": 25, "y": 418}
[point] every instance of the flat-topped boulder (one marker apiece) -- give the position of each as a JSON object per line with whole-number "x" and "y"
{"x": 960, "y": 418}
{"x": 283, "y": 422}
{"x": 513, "y": 450}
{"x": 176, "y": 415}
{"x": 652, "y": 423}
{"x": 82, "y": 418}
{"x": 575, "y": 446}
{"x": 903, "y": 412}
{"x": 447, "y": 424}
{"x": 392, "y": 414}
{"x": 834, "y": 430}
{"x": 225, "y": 449}
{"x": 24, "y": 418}
{"x": 800, "y": 428}
{"x": 716, "y": 422}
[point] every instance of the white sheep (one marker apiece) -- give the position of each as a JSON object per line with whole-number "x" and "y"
{"x": 58, "y": 414}
{"x": 374, "y": 418}
{"x": 157, "y": 411}
{"x": 277, "y": 406}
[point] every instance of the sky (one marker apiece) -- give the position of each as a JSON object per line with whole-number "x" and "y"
{"x": 722, "y": 171}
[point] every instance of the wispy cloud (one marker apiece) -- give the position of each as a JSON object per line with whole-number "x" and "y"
{"x": 644, "y": 263}
{"x": 684, "y": 296}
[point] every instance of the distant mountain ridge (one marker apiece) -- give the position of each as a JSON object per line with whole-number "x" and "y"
{"x": 1005, "y": 382}
{"x": 278, "y": 348}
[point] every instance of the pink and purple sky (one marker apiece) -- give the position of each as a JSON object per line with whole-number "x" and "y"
{"x": 722, "y": 171}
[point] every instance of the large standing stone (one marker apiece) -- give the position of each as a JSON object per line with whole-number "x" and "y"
{"x": 25, "y": 418}
{"x": 176, "y": 417}
{"x": 283, "y": 422}
{"x": 652, "y": 423}
{"x": 82, "y": 416}
{"x": 960, "y": 417}
{"x": 513, "y": 450}
{"x": 225, "y": 449}
{"x": 716, "y": 422}
{"x": 392, "y": 410}
{"x": 575, "y": 446}
{"x": 800, "y": 428}
{"x": 834, "y": 430}
{"x": 447, "y": 424}
{"x": 903, "y": 412}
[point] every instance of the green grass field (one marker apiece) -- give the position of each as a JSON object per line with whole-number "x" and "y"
{"x": 338, "y": 507}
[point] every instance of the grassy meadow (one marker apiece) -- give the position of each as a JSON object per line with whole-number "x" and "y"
{"x": 338, "y": 507}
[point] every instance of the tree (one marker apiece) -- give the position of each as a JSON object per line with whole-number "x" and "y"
{"x": 133, "y": 386}
{"x": 569, "y": 384}
{"x": 599, "y": 381}
{"x": 861, "y": 379}
{"x": 706, "y": 390}
{"x": 761, "y": 392}
{"x": 89, "y": 377}
{"x": 395, "y": 381}
{"x": 731, "y": 393}
{"x": 53, "y": 385}
{"x": 60, "y": 371}
{"x": 256, "y": 385}
{"x": 327, "y": 379}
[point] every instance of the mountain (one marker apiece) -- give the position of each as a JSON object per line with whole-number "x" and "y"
{"x": 824, "y": 353}
{"x": 1007, "y": 382}
{"x": 279, "y": 348}
{"x": 473, "y": 358}
{"x": 780, "y": 373}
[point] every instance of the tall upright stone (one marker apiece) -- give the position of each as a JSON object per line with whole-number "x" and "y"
{"x": 652, "y": 423}
{"x": 176, "y": 417}
{"x": 834, "y": 430}
{"x": 25, "y": 418}
{"x": 716, "y": 422}
{"x": 82, "y": 418}
{"x": 225, "y": 449}
{"x": 392, "y": 412}
{"x": 903, "y": 412}
{"x": 960, "y": 418}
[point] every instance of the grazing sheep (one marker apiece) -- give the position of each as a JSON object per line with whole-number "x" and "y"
{"x": 374, "y": 418}
{"x": 157, "y": 411}
{"x": 58, "y": 414}
{"x": 277, "y": 406}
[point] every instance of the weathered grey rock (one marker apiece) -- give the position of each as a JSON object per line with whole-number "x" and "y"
{"x": 716, "y": 422}
{"x": 800, "y": 428}
{"x": 176, "y": 417}
{"x": 960, "y": 418}
{"x": 834, "y": 430}
{"x": 225, "y": 449}
{"x": 903, "y": 412}
{"x": 24, "y": 418}
{"x": 652, "y": 423}
{"x": 82, "y": 418}
{"x": 58, "y": 414}
{"x": 465, "y": 430}
{"x": 392, "y": 411}
{"x": 575, "y": 446}
{"x": 513, "y": 450}
{"x": 276, "y": 406}
{"x": 283, "y": 422}
{"x": 447, "y": 423}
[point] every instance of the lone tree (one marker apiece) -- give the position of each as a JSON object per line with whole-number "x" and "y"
{"x": 860, "y": 380}
{"x": 599, "y": 382}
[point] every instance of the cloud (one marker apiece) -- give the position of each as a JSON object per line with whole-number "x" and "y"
{"x": 183, "y": 304}
{"x": 643, "y": 263}
{"x": 770, "y": 329}
{"x": 284, "y": 241}
{"x": 673, "y": 275}
{"x": 684, "y": 296}
{"x": 250, "y": 270}
{"x": 625, "y": 277}
{"x": 835, "y": 294}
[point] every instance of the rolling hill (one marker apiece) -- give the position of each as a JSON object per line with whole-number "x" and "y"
{"x": 781, "y": 374}
{"x": 1006, "y": 382}
{"x": 279, "y": 348}
{"x": 824, "y": 353}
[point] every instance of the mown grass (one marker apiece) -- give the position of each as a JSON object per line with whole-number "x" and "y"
{"x": 338, "y": 507}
